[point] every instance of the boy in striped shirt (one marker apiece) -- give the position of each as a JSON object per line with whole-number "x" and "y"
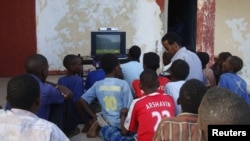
{"x": 184, "y": 126}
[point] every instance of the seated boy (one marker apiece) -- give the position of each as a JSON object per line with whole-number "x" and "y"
{"x": 145, "y": 113}
{"x": 184, "y": 125}
{"x": 220, "y": 106}
{"x": 229, "y": 79}
{"x": 95, "y": 75}
{"x": 112, "y": 93}
{"x": 54, "y": 105}
{"x": 151, "y": 60}
{"x": 179, "y": 71}
{"x": 20, "y": 122}
{"x": 74, "y": 82}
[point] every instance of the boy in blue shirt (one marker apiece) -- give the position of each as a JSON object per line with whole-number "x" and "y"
{"x": 112, "y": 93}
{"x": 74, "y": 82}
{"x": 229, "y": 79}
{"x": 95, "y": 75}
{"x": 53, "y": 105}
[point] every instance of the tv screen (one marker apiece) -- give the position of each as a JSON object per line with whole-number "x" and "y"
{"x": 108, "y": 42}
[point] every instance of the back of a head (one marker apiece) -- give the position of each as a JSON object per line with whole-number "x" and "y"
{"x": 222, "y": 106}
{"x": 135, "y": 52}
{"x": 149, "y": 79}
{"x": 69, "y": 60}
{"x": 109, "y": 62}
{"x": 22, "y": 91}
{"x": 223, "y": 56}
{"x": 204, "y": 57}
{"x": 179, "y": 69}
{"x": 172, "y": 37}
{"x": 191, "y": 94}
{"x": 236, "y": 63}
{"x": 35, "y": 64}
{"x": 151, "y": 60}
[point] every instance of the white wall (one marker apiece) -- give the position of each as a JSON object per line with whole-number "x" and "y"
{"x": 64, "y": 26}
{"x": 232, "y": 31}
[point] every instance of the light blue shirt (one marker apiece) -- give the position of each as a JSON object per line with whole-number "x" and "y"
{"x": 195, "y": 67}
{"x": 113, "y": 95}
{"x": 173, "y": 89}
{"x": 131, "y": 71}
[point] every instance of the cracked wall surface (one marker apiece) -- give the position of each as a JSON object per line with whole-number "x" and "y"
{"x": 64, "y": 26}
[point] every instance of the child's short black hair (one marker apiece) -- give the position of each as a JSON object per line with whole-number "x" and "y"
{"x": 69, "y": 60}
{"x": 109, "y": 62}
{"x": 223, "y": 55}
{"x": 35, "y": 64}
{"x": 149, "y": 79}
{"x": 204, "y": 57}
{"x": 135, "y": 52}
{"x": 191, "y": 94}
{"x": 236, "y": 63}
{"x": 179, "y": 69}
{"x": 151, "y": 60}
{"x": 22, "y": 91}
{"x": 223, "y": 106}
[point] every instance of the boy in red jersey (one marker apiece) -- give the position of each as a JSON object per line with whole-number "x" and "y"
{"x": 145, "y": 113}
{"x": 151, "y": 60}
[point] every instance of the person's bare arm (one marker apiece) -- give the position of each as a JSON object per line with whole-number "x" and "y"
{"x": 87, "y": 109}
{"x": 67, "y": 93}
{"x": 123, "y": 115}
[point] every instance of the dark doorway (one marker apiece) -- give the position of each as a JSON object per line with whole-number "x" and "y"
{"x": 182, "y": 19}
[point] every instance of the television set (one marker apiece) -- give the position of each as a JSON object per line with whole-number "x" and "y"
{"x": 103, "y": 42}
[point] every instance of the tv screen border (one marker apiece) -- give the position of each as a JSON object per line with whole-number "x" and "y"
{"x": 122, "y": 42}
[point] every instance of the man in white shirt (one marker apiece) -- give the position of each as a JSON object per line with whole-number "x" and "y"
{"x": 172, "y": 43}
{"x": 20, "y": 123}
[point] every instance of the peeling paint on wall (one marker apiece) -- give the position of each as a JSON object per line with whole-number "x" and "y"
{"x": 161, "y": 4}
{"x": 241, "y": 41}
{"x": 64, "y": 26}
{"x": 232, "y": 32}
{"x": 148, "y": 26}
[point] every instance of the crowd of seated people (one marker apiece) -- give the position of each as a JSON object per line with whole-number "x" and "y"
{"x": 145, "y": 106}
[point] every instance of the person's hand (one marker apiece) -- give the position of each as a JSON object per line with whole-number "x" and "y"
{"x": 67, "y": 93}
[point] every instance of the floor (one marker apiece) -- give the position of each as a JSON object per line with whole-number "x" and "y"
{"x": 52, "y": 78}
